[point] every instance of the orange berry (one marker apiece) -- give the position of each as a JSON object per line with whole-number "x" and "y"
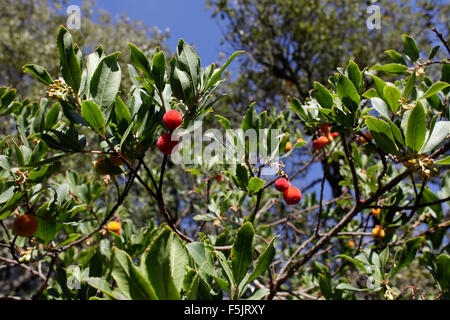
{"x": 378, "y": 233}
{"x": 376, "y": 212}
{"x": 114, "y": 226}
{"x": 292, "y": 195}
{"x": 350, "y": 244}
{"x": 363, "y": 139}
{"x": 319, "y": 143}
{"x": 288, "y": 147}
{"x": 25, "y": 225}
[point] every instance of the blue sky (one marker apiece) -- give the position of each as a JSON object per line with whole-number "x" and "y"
{"x": 187, "y": 19}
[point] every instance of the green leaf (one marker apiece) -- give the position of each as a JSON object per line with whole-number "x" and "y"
{"x": 445, "y": 160}
{"x": 354, "y": 74}
{"x": 129, "y": 280}
{"x": 250, "y": 120}
{"x": 224, "y": 122}
{"x": 348, "y": 93}
{"x": 347, "y": 286}
{"x": 10, "y": 205}
{"x": 381, "y": 132}
{"x": 264, "y": 261}
{"x": 122, "y": 113}
{"x": 164, "y": 265}
{"x": 440, "y": 131}
{"x": 47, "y": 230}
{"x": 242, "y": 176}
{"x": 140, "y": 61}
{"x": 159, "y": 70}
{"x": 180, "y": 84}
{"x": 218, "y": 73}
{"x": 357, "y": 264}
{"x": 396, "y": 57}
{"x": 255, "y": 184}
{"x": 39, "y": 72}
{"x": 105, "y": 81}
{"x": 433, "y": 52}
{"x": 259, "y": 294}
{"x": 390, "y": 68}
{"x": 392, "y": 96}
{"x": 94, "y": 117}
{"x": 323, "y": 96}
{"x": 189, "y": 62}
{"x": 416, "y": 128}
{"x": 405, "y": 255}
{"x": 409, "y": 85}
{"x": 381, "y": 106}
{"x": 435, "y": 88}
{"x": 379, "y": 85}
{"x": 103, "y": 286}
{"x": 410, "y": 48}
{"x": 70, "y": 66}
{"x": 445, "y": 76}
{"x": 443, "y": 271}
{"x": 52, "y": 116}
{"x": 242, "y": 251}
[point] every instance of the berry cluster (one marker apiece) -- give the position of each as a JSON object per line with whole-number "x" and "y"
{"x": 172, "y": 119}
{"x": 291, "y": 194}
{"x": 325, "y": 138}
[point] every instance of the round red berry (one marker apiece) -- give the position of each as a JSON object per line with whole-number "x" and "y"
{"x": 282, "y": 184}
{"x": 166, "y": 144}
{"x": 292, "y": 195}
{"x": 172, "y": 119}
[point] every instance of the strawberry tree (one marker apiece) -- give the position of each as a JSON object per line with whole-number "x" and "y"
{"x": 245, "y": 226}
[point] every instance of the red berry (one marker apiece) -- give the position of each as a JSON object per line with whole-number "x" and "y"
{"x": 282, "y": 184}
{"x": 172, "y": 119}
{"x": 320, "y": 143}
{"x": 334, "y": 134}
{"x": 166, "y": 144}
{"x": 292, "y": 195}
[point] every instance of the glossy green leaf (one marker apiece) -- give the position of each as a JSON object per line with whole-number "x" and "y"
{"x": 396, "y": 57}
{"x": 435, "y": 88}
{"x": 443, "y": 271}
{"x": 416, "y": 128}
{"x": 255, "y": 184}
{"x": 242, "y": 251}
{"x": 392, "y": 96}
{"x": 440, "y": 131}
{"x": 91, "y": 112}
{"x": 159, "y": 70}
{"x": 323, "y": 96}
{"x": 410, "y": 48}
{"x": 189, "y": 62}
{"x": 70, "y": 66}
{"x": 218, "y": 73}
{"x": 164, "y": 265}
{"x": 348, "y": 93}
{"x": 263, "y": 262}
{"x": 129, "y": 280}
{"x": 381, "y": 132}
{"x": 140, "y": 61}
{"x": 390, "y": 68}
{"x": 405, "y": 255}
{"x": 39, "y": 72}
{"x": 105, "y": 81}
